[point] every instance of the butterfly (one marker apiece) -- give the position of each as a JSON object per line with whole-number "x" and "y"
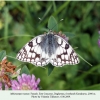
{"x": 48, "y": 48}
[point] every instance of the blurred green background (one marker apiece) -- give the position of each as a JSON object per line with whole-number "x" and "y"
{"x": 18, "y": 19}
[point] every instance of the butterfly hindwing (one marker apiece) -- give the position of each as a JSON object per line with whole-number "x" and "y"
{"x": 64, "y": 55}
{"x": 33, "y": 53}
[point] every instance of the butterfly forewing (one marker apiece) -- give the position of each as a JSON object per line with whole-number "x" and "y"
{"x": 64, "y": 55}
{"x": 33, "y": 53}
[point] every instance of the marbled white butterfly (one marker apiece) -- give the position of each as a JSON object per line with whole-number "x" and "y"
{"x": 48, "y": 48}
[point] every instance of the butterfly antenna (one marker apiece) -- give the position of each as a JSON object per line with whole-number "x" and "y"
{"x": 57, "y": 23}
{"x": 40, "y": 19}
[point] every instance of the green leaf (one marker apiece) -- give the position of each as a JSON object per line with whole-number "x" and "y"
{"x": 2, "y": 54}
{"x": 93, "y": 87}
{"x": 71, "y": 72}
{"x": 50, "y": 69}
{"x": 94, "y": 68}
{"x": 25, "y": 70}
{"x": 58, "y": 85}
{"x": 52, "y": 24}
{"x": 85, "y": 41}
{"x": 68, "y": 34}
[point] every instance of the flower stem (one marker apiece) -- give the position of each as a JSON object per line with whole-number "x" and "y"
{"x": 84, "y": 60}
{"x": 15, "y": 36}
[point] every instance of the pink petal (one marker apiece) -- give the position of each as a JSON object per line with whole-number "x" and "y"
{"x": 99, "y": 42}
{"x": 38, "y": 81}
{"x": 20, "y": 80}
{"x": 29, "y": 77}
{"x": 14, "y": 83}
{"x": 33, "y": 79}
{"x": 24, "y": 77}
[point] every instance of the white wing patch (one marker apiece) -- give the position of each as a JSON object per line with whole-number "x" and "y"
{"x": 64, "y": 55}
{"x": 33, "y": 53}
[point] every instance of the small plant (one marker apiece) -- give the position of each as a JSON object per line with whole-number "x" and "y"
{"x": 15, "y": 78}
{"x": 10, "y": 78}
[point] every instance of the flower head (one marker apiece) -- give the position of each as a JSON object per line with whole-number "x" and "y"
{"x": 99, "y": 42}
{"x": 7, "y": 66}
{"x": 25, "y": 82}
{"x": 62, "y": 35}
{"x": 99, "y": 32}
{"x": 6, "y": 69}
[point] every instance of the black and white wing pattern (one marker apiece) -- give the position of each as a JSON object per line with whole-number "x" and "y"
{"x": 33, "y": 53}
{"x": 64, "y": 54}
{"x": 48, "y": 48}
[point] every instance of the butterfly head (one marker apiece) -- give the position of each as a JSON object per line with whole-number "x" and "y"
{"x": 50, "y": 32}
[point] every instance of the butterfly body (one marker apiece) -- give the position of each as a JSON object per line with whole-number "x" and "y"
{"x": 49, "y": 44}
{"x": 48, "y": 48}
